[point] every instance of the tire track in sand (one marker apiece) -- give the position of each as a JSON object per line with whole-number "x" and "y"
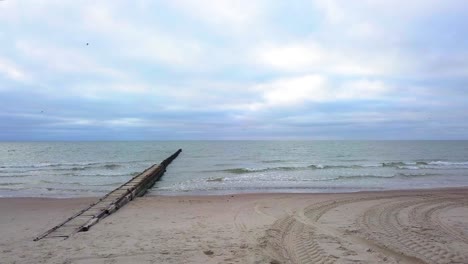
{"x": 291, "y": 241}
{"x": 429, "y": 218}
{"x": 406, "y": 228}
{"x": 296, "y": 238}
{"x": 419, "y": 237}
{"x": 426, "y": 216}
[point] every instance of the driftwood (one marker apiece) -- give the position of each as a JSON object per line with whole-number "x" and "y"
{"x": 111, "y": 202}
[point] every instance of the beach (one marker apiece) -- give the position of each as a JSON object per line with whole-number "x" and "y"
{"x": 258, "y": 132}
{"x": 413, "y": 226}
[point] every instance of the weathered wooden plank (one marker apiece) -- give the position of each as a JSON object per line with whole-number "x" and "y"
{"x": 76, "y": 222}
{"x": 111, "y": 202}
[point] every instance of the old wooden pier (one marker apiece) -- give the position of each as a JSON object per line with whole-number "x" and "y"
{"x": 111, "y": 202}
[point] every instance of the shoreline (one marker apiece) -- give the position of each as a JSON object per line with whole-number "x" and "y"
{"x": 365, "y": 227}
{"x": 202, "y": 193}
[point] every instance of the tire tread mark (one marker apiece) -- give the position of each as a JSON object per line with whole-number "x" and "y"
{"x": 382, "y": 224}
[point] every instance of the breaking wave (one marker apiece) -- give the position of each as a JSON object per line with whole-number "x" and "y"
{"x": 61, "y": 167}
{"x": 399, "y": 175}
{"x": 318, "y": 179}
{"x": 397, "y": 165}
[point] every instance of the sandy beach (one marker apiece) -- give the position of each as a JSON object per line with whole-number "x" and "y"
{"x": 425, "y": 226}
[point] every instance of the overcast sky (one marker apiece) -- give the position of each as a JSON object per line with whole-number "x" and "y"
{"x": 199, "y": 69}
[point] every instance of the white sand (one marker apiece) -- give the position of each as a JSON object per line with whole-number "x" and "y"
{"x": 381, "y": 227}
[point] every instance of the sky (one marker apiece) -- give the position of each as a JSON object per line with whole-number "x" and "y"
{"x": 233, "y": 69}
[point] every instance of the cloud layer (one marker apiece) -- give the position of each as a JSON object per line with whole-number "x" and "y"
{"x": 228, "y": 69}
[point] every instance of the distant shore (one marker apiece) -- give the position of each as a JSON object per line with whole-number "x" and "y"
{"x": 408, "y": 226}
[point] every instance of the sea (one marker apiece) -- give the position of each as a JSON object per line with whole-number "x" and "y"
{"x": 83, "y": 169}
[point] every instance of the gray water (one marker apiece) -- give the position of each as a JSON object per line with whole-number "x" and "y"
{"x": 71, "y": 169}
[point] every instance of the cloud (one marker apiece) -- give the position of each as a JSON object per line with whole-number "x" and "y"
{"x": 331, "y": 10}
{"x": 64, "y": 60}
{"x": 134, "y": 40}
{"x": 107, "y": 90}
{"x": 366, "y": 30}
{"x": 296, "y": 91}
{"x": 291, "y": 57}
{"x": 233, "y": 69}
{"x": 233, "y": 16}
{"x": 12, "y": 71}
{"x": 363, "y": 89}
{"x": 117, "y": 123}
{"x": 342, "y": 11}
{"x": 293, "y": 91}
{"x": 309, "y": 56}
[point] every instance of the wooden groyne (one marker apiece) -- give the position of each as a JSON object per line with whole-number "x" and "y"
{"x": 111, "y": 202}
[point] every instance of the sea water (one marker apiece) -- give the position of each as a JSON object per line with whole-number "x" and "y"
{"x": 72, "y": 169}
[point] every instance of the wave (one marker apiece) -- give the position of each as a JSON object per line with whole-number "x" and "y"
{"x": 60, "y": 167}
{"x": 105, "y": 164}
{"x": 399, "y": 175}
{"x": 94, "y": 175}
{"x": 448, "y": 163}
{"x": 273, "y": 161}
{"x": 220, "y": 179}
{"x": 324, "y": 167}
{"x": 427, "y": 165}
{"x": 283, "y": 168}
{"x": 242, "y": 170}
{"x": 417, "y": 175}
{"x": 402, "y": 163}
{"x": 81, "y": 183}
{"x": 354, "y": 177}
{"x": 222, "y": 164}
{"x": 10, "y": 183}
{"x": 412, "y": 165}
{"x": 68, "y": 190}
{"x": 263, "y": 189}
{"x": 45, "y": 165}
{"x": 327, "y": 179}
{"x": 256, "y": 170}
{"x": 351, "y": 160}
{"x": 15, "y": 176}
{"x": 111, "y": 166}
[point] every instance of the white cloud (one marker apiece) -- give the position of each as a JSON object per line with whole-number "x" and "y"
{"x": 308, "y": 56}
{"x": 363, "y": 89}
{"x": 236, "y": 16}
{"x": 365, "y": 30}
{"x": 293, "y": 91}
{"x": 12, "y": 71}
{"x": 332, "y": 10}
{"x": 128, "y": 122}
{"x": 107, "y": 90}
{"x": 296, "y": 91}
{"x": 407, "y": 10}
{"x": 16, "y": 11}
{"x": 345, "y": 11}
{"x": 361, "y": 117}
{"x": 61, "y": 59}
{"x": 291, "y": 57}
{"x": 138, "y": 40}
{"x": 57, "y": 121}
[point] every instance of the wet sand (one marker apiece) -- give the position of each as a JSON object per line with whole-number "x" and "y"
{"x": 425, "y": 226}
